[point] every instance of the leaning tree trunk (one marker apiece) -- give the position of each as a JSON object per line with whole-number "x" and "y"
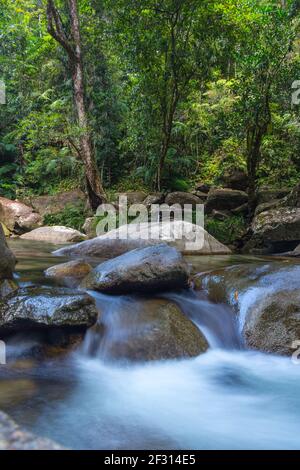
{"x": 73, "y": 48}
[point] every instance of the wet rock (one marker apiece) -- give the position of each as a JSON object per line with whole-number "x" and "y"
{"x": 182, "y": 198}
{"x": 55, "y": 234}
{"x": 43, "y": 307}
{"x": 7, "y": 258}
{"x": 71, "y": 273}
{"x": 18, "y": 217}
{"x": 151, "y": 269}
{"x": 147, "y": 330}
{"x": 188, "y": 238}
{"x": 13, "y": 437}
{"x": 273, "y": 325}
{"x": 225, "y": 199}
{"x": 266, "y": 299}
{"x": 49, "y": 205}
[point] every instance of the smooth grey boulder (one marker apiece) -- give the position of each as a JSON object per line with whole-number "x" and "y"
{"x": 55, "y": 234}
{"x": 188, "y": 238}
{"x": 45, "y": 307}
{"x": 18, "y": 217}
{"x": 151, "y": 269}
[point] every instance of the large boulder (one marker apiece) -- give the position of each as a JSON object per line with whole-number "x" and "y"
{"x": 266, "y": 299}
{"x": 151, "y": 269}
{"x": 35, "y": 308}
{"x": 144, "y": 330}
{"x": 56, "y": 234}
{"x": 266, "y": 206}
{"x": 18, "y": 217}
{"x": 188, "y": 238}
{"x": 275, "y": 230}
{"x": 13, "y": 437}
{"x": 182, "y": 198}
{"x": 7, "y": 258}
{"x": 49, "y": 205}
{"x": 225, "y": 199}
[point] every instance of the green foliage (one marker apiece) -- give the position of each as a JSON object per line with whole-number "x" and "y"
{"x": 71, "y": 216}
{"x": 226, "y": 231}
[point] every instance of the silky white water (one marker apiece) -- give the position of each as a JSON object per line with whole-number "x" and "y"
{"x": 227, "y": 398}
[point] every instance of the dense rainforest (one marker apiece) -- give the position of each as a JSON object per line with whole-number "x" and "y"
{"x": 148, "y": 95}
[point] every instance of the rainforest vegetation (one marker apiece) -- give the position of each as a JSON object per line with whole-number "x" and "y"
{"x": 156, "y": 94}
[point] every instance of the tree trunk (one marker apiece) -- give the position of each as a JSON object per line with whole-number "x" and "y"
{"x": 93, "y": 181}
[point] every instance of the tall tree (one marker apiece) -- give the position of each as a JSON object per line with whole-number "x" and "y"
{"x": 73, "y": 48}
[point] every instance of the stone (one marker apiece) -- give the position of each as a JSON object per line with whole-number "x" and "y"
{"x": 148, "y": 329}
{"x": 273, "y": 325}
{"x": 55, "y": 234}
{"x": 276, "y": 230}
{"x": 154, "y": 198}
{"x": 38, "y": 308}
{"x": 7, "y": 258}
{"x": 7, "y": 286}
{"x": 89, "y": 227}
{"x": 220, "y": 215}
{"x": 49, "y": 205}
{"x": 203, "y": 187}
{"x": 133, "y": 197}
{"x": 151, "y": 269}
{"x": 236, "y": 179}
{"x": 188, "y": 238}
{"x": 266, "y": 299}
{"x": 269, "y": 194}
{"x": 18, "y": 217}
{"x": 182, "y": 198}
{"x": 225, "y": 199}
{"x": 70, "y": 273}
{"x": 265, "y": 206}
{"x": 13, "y": 437}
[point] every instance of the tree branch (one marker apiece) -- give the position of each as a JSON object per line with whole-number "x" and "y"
{"x": 56, "y": 30}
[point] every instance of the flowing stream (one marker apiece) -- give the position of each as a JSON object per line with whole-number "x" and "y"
{"x": 227, "y": 398}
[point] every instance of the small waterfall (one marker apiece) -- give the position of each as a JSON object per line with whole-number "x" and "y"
{"x": 218, "y": 322}
{"x": 120, "y": 322}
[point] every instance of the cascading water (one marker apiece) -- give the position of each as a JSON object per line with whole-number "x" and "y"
{"x": 227, "y": 398}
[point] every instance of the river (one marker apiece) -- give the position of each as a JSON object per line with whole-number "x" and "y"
{"x": 227, "y": 398}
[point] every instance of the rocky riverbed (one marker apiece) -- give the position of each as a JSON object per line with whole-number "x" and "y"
{"x": 190, "y": 366}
